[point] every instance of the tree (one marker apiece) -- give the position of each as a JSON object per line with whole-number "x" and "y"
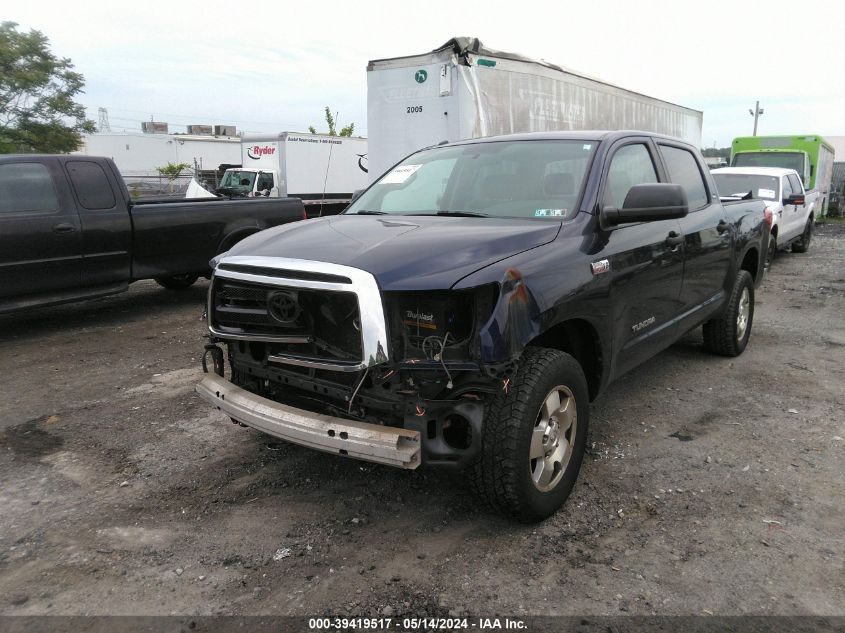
{"x": 172, "y": 171}
{"x": 344, "y": 131}
{"x": 712, "y": 152}
{"x": 37, "y": 90}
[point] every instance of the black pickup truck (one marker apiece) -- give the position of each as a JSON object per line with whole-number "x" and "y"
{"x": 470, "y": 304}
{"x": 69, "y": 230}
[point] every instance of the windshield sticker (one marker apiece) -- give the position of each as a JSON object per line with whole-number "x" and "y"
{"x": 765, "y": 193}
{"x": 399, "y": 174}
{"x": 586, "y": 146}
{"x": 545, "y": 213}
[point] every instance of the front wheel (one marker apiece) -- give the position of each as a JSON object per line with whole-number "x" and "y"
{"x": 771, "y": 252}
{"x": 534, "y": 437}
{"x": 177, "y": 282}
{"x": 802, "y": 245}
{"x": 728, "y": 335}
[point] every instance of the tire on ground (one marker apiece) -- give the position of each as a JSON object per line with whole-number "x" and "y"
{"x": 177, "y": 282}
{"x": 726, "y": 335}
{"x": 771, "y": 251}
{"x": 502, "y": 474}
{"x": 802, "y": 245}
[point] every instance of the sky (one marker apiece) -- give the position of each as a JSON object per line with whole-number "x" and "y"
{"x": 274, "y": 66}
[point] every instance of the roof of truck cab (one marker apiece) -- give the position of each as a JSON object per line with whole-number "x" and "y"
{"x": 572, "y": 135}
{"x": 755, "y": 171}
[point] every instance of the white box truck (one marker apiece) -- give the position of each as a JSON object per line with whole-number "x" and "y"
{"x": 324, "y": 171}
{"x": 465, "y": 90}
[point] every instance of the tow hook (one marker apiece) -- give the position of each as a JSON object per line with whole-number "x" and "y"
{"x": 216, "y": 359}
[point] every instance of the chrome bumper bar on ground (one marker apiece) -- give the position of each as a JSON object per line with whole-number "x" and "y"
{"x": 370, "y": 442}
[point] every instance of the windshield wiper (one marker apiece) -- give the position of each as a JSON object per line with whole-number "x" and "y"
{"x": 457, "y": 214}
{"x": 369, "y": 213}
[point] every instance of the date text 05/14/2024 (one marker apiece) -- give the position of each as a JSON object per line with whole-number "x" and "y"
{"x": 416, "y": 624}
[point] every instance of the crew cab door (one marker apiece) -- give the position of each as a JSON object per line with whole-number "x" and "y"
{"x": 797, "y": 212}
{"x": 39, "y": 230}
{"x": 787, "y": 218}
{"x": 106, "y": 227}
{"x": 646, "y": 261}
{"x": 707, "y": 234}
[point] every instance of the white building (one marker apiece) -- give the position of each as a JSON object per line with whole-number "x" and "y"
{"x": 137, "y": 155}
{"x": 838, "y": 143}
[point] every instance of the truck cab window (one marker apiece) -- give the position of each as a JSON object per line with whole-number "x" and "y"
{"x": 631, "y": 165}
{"x": 26, "y": 187}
{"x": 787, "y": 187}
{"x": 236, "y": 182}
{"x": 91, "y": 185}
{"x": 795, "y": 182}
{"x": 683, "y": 170}
{"x": 265, "y": 182}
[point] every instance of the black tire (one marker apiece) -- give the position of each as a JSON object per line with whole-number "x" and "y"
{"x": 771, "y": 252}
{"x": 503, "y": 473}
{"x": 177, "y": 282}
{"x": 726, "y": 336}
{"x": 802, "y": 244}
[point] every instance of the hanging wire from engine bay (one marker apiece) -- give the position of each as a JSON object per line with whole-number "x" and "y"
{"x": 428, "y": 343}
{"x": 355, "y": 393}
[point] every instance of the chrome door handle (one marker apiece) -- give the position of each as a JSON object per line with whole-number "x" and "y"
{"x": 63, "y": 228}
{"x": 673, "y": 239}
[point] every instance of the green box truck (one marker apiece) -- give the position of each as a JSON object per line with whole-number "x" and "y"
{"x": 809, "y": 154}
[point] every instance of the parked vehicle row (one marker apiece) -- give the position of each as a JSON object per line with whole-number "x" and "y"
{"x": 469, "y": 305}
{"x": 781, "y": 189}
{"x": 809, "y": 155}
{"x": 69, "y": 230}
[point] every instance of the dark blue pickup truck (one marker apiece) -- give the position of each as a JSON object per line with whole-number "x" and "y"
{"x": 69, "y": 230}
{"x": 471, "y": 302}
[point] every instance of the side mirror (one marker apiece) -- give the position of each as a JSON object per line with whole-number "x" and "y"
{"x": 795, "y": 198}
{"x": 356, "y": 194}
{"x": 649, "y": 202}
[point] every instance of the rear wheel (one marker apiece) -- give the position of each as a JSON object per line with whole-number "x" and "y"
{"x": 802, "y": 245}
{"x": 534, "y": 437}
{"x": 728, "y": 335}
{"x": 177, "y": 282}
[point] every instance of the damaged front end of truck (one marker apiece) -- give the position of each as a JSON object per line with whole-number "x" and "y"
{"x": 318, "y": 355}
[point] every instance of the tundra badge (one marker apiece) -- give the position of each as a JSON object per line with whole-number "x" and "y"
{"x": 639, "y": 326}
{"x": 599, "y": 267}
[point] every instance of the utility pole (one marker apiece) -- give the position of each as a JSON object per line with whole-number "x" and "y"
{"x": 756, "y": 112}
{"x": 103, "y": 123}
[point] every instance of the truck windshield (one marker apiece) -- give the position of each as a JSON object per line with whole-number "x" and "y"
{"x": 508, "y": 179}
{"x": 765, "y": 187}
{"x": 787, "y": 160}
{"x": 236, "y": 181}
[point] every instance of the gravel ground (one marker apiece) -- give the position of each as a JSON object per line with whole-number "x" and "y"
{"x": 712, "y": 485}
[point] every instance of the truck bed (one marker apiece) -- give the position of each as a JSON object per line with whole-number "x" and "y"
{"x": 181, "y": 237}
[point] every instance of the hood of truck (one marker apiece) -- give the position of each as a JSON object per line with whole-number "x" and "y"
{"x": 403, "y": 252}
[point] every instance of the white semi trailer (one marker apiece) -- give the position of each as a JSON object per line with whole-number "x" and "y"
{"x": 466, "y": 90}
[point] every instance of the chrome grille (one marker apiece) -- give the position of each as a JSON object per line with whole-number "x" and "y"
{"x": 301, "y": 322}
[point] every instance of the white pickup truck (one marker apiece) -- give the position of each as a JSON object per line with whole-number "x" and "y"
{"x": 793, "y": 213}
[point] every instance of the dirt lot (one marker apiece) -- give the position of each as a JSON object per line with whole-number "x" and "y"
{"x": 712, "y": 485}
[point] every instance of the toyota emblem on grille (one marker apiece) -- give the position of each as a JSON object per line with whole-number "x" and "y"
{"x": 284, "y": 307}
